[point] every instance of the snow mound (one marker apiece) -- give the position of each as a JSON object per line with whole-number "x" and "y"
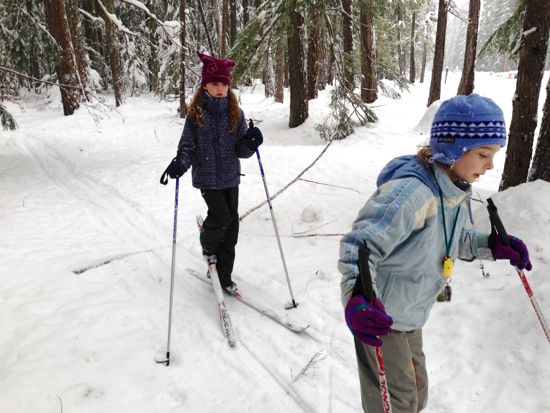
{"x": 424, "y": 125}
{"x": 311, "y": 213}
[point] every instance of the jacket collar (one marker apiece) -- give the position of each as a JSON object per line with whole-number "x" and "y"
{"x": 452, "y": 193}
{"x": 215, "y": 105}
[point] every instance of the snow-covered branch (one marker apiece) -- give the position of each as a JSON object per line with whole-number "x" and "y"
{"x": 141, "y": 6}
{"x": 115, "y": 20}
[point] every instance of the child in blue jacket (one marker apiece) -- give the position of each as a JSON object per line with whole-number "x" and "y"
{"x": 214, "y": 137}
{"x": 414, "y": 225}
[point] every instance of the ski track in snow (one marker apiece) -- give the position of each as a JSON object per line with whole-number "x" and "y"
{"x": 99, "y": 200}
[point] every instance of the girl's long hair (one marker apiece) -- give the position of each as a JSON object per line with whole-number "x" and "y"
{"x": 196, "y": 109}
{"x": 425, "y": 153}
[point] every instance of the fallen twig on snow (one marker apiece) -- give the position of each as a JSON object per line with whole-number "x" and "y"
{"x": 243, "y": 216}
{"x": 311, "y": 363}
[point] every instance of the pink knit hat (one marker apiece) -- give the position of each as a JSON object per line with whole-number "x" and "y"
{"x": 215, "y": 70}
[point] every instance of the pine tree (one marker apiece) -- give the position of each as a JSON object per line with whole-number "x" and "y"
{"x": 298, "y": 100}
{"x": 540, "y": 168}
{"x": 466, "y": 86}
{"x": 369, "y": 81}
{"x": 532, "y": 54}
{"x": 183, "y": 27}
{"x": 437, "y": 67}
{"x": 412, "y": 71}
{"x": 67, "y": 72}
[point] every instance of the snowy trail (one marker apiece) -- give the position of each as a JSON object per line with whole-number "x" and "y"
{"x": 79, "y": 195}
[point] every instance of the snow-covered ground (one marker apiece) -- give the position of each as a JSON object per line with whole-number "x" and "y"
{"x": 78, "y": 193}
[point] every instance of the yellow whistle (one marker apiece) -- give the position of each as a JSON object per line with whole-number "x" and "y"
{"x": 447, "y": 267}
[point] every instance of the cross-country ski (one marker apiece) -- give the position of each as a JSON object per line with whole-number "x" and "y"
{"x": 255, "y": 301}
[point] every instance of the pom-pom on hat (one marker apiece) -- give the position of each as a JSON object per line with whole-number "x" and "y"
{"x": 465, "y": 122}
{"x": 215, "y": 70}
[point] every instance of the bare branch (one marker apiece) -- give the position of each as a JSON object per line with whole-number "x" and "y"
{"x": 311, "y": 363}
{"x": 5, "y": 69}
{"x": 334, "y": 186}
{"x": 243, "y": 216}
{"x": 318, "y": 235}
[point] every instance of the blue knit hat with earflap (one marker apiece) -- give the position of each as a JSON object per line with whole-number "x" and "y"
{"x": 465, "y": 122}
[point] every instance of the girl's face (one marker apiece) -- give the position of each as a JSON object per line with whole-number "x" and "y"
{"x": 217, "y": 89}
{"x": 473, "y": 163}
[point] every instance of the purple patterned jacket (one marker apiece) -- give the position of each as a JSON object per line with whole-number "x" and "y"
{"x": 211, "y": 150}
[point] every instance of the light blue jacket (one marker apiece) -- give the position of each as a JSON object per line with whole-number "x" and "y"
{"x": 403, "y": 227}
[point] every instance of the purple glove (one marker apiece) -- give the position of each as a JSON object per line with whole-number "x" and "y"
{"x": 367, "y": 321}
{"x": 516, "y": 252}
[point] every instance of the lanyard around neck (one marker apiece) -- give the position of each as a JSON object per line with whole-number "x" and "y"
{"x": 448, "y": 241}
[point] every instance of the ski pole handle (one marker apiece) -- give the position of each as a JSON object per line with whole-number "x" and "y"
{"x": 496, "y": 224}
{"x": 364, "y": 272}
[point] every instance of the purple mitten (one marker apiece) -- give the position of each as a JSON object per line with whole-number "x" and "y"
{"x": 516, "y": 252}
{"x": 367, "y": 321}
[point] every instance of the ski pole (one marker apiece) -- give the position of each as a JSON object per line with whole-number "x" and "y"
{"x": 498, "y": 228}
{"x": 366, "y": 281}
{"x": 173, "y": 270}
{"x": 292, "y": 304}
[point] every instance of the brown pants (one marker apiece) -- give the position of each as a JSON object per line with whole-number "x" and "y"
{"x": 406, "y": 373}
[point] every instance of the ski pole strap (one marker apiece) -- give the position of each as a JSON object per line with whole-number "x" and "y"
{"x": 164, "y": 177}
{"x": 496, "y": 224}
{"x": 364, "y": 281}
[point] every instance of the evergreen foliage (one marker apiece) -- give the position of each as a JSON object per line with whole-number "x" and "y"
{"x": 148, "y": 33}
{"x": 504, "y": 40}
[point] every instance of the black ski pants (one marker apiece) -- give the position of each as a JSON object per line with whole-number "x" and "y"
{"x": 220, "y": 229}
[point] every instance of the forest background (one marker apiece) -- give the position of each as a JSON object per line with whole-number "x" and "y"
{"x": 361, "y": 47}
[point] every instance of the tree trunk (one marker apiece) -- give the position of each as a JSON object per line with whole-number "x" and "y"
{"x": 92, "y": 31}
{"x": 67, "y": 72}
{"x": 439, "y": 52}
{"x": 219, "y": 25}
{"x": 183, "y": 35}
{"x": 225, "y": 28}
{"x": 34, "y": 68}
{"x": 279, "y": 70}
{"x": 424, "y": 57}
{"x": 114, "y": 55}
{"x": 245, "y": 13}
{"x": 412, "y": 71}
{"x": 369, "y": 81}
{"x": 153, "y": 44}
{"x": 540, "y": 168}
{"x": 232, "y": 22}
{"x": 347, "y": 38}
{"x": 313, "y": 50}
{"x": 331, "y": 62}
{"x": 400, "y": 54}
{"x": 286, "y": 75}
{"x": 466, "y": 86}
{"x": 322, "y": 59}
{"x": 532, "y": 55}
{"x": 267, "y": 75}
{"x": 77, "y": 39}
{"x": 298, "y": 100}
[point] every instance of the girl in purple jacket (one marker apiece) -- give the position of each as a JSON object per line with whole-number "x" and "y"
{"x": 214, "y": 137}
